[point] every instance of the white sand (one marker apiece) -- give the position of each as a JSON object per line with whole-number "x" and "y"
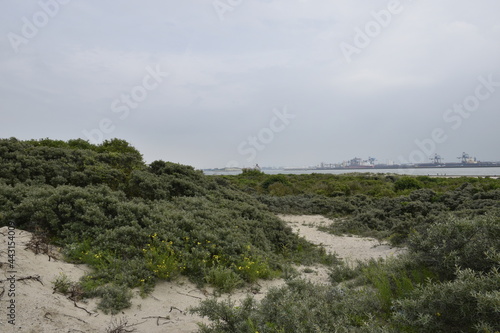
{"x": 39, "y": 310}
{"x": 349, "y": 248}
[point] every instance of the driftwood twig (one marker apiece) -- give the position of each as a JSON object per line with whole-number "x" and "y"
{"x": 122, "y": 326}
{"x": 157, "y": 319}
{"x": 79, "y": 307}
{"x": 24, "y": 278}
{"x": 83, "y": 321}
{"x": 174, "y": 308}
{"x": 189, "y": 295}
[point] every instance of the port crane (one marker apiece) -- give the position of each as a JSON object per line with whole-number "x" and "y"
{"x": 466, "y": 159}
{"x": 436, "y": 159}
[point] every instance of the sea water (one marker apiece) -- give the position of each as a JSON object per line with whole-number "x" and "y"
{"x": 456, "y": 172}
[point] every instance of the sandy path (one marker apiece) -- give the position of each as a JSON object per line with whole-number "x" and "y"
{"x": 349, "y": 248}
{"x": 39, "y": 310}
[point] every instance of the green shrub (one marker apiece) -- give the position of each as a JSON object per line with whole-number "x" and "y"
{"x": 343, "y": 272}
{"x": 62, "y": 284}
{"x": 223, "y": 279}
{"x": 455, "y": 243}
{"x": 407, "y": 183}
{"x": 394, "y": 279}
{"x": 279, "y": 189}
{"x": 246, "y": 172}
{"x": 273, "y": 179}
{"x": 114, "y": 298}
{"x": 466, "y": 304}
{"x": 226, "y": 316}
{"x": 252, "y": 269}
{"x": 161, "y": 259}
{"x": 300, "y": 306}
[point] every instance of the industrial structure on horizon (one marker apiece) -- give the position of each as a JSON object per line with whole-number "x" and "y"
{"x": 465, "y": 161}
{"x": 436, "y": 161}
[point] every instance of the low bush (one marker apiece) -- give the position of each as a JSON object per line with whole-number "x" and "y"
{"x": 407, "y": 183}
{"x": 62, "y": 284}
{"x": 394, "y": 279}
{"x": 470, "y": 303}
{"x": 455, "y": 242}
{"x": 223, "y": 279}
{"x": 161, "y": 259}
{"x": 114, "y": 298}
{"x": 300, "y": 306}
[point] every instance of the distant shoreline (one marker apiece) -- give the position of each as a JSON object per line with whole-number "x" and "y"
{"x": 493, "y": 172}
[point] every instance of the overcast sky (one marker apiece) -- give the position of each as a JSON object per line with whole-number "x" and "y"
{"x": 238, "y": 82}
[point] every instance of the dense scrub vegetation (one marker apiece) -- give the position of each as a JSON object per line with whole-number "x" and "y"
{"x": 447, "y": 281}
{"x": 382, "y": 206}
{"x": 135, "y": 224}
{"x": 351, "y": 184}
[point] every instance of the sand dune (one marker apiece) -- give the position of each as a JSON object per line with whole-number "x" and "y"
{"x": 38, "y": 309}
